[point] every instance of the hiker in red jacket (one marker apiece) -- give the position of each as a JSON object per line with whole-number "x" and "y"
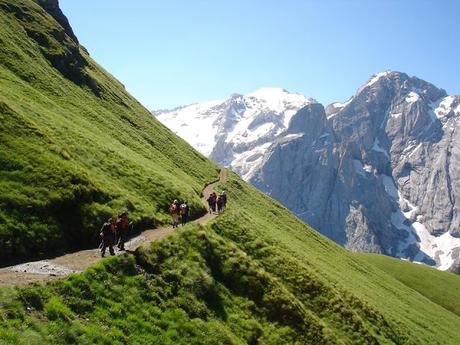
{"x": 174, "y": 210}
{"x": 122, "y": 229}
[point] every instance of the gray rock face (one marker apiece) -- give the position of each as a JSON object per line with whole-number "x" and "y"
{"x": 379, "y": 173}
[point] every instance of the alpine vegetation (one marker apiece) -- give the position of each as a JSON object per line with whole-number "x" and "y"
{"x": 76, "y": 148}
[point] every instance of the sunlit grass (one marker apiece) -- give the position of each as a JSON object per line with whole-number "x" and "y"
{"x": 71, "y": 157}
{"x": 74, "y": 151}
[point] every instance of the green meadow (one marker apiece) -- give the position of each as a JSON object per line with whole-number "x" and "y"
{"x": 440, "y": 287}
{"x": 255, "y": 275}
{"x": 76, "y": 148}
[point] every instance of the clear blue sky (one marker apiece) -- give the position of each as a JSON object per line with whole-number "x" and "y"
{"x": 171, "y": 52}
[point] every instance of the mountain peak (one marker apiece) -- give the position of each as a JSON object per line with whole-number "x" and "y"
{"x": 276, "y": 93}
{"x": 399, "y": 83}
{"x": 242, "y": 123}
{"x": 52, "y": 7}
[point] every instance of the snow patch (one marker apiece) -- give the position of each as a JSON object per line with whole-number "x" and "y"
{"x": 292, "y": 136}
{"x": 412, "y": 97}
{"x": 439, "y": 248}
{"x": 194, "y": 123}
{"x": 377, "y": 77}
{"x": 341, "y": 105}
{"x": 280, "y": 101}
{"x": 395, "y": 115}
{"x": 442, "y": 108}
{"x": 249, "y": 161}
{"x": 368, "y": 168}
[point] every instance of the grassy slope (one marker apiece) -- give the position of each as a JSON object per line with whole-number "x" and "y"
{"x": 300, "y": 249}
{"x": 76, "y": 149}
{"x": 442, "y": 288}
{"x": 257, "y": 275}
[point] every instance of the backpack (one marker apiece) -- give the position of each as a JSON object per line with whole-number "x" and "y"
{"x": 183, "y": 209}
{"x": 173, "y": 208}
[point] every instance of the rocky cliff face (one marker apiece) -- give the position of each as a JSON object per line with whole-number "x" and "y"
{"x": 378, "y": 173}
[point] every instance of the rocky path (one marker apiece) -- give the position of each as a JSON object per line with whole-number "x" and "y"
{"x": 61, "y": 266}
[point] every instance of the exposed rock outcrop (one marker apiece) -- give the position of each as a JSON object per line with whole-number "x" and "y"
{"x": 377, "y": 173}
{"x": 380, "y": 175}
{"x": 52, "y": 7}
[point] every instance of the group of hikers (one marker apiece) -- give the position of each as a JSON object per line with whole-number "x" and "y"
{"x": 114, "y": 232}
{"x": 216, "y": 202}
{"x": 178, "y": 211}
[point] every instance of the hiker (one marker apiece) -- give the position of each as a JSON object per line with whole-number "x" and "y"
{"x": 122, "y": 229}
{"x": 174, "y": 210}
{"x": 212, "y": 199}
{"x": 220, "y": 204}
{"x": 108, "y": 236}
{"x": 184, "y": 212}
{"x": 223, "y": 200}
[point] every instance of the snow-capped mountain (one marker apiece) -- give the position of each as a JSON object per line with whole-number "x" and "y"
{"x": 377, "y": 173}
{"x": 236, "y": 132}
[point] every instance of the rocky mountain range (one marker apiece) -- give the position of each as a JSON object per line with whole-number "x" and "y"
{"x": 378, "y": 173}
{"x": 236, "y": 132}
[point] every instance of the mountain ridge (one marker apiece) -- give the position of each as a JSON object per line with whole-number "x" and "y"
{"x": 386, "y": 98}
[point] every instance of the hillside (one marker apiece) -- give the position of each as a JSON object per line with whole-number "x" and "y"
{"x": 427, "y": 281}
{"x": 75, "y": 147}
{"x": 255, "y": 274}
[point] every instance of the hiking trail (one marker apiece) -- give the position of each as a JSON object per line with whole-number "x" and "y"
{"x": 61, "y": 266}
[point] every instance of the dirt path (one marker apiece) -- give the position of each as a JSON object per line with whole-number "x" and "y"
{"x": 61, "y": 266}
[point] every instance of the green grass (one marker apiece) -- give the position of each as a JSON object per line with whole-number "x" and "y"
{"x": 76, "y": 148}
{"x": 299, "y": 251}
{"x": 440, "y": 287}
{"x": 254, "y": 275}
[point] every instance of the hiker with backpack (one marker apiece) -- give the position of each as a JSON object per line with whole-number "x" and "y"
{"x": 184, "y": 212}
{"x": 223, "y": 201}
{"x": 212, "y": 200}
{"x": 122, "y": 229}
{"x": 107, "y": 234}
{"x": 219, "y": 204}
{"x": 174, "y": 211}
